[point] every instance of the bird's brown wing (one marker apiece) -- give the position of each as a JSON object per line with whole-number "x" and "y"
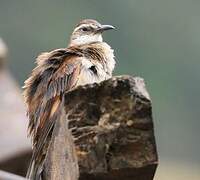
{"x": 57, "y": 72}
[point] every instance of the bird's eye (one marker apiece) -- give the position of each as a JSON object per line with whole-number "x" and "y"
{"x": 84, "y": 29}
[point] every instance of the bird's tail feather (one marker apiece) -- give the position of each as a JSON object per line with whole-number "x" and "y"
{"x": 40, "y": 150}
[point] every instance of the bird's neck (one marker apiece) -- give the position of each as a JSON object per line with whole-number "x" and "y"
{"x": 99, "y": 51}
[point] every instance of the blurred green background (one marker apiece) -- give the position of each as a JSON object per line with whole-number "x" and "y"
{"x": 158, "y": 40}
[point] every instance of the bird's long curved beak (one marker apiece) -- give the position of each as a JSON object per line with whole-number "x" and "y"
{"x": 104, "y": 28}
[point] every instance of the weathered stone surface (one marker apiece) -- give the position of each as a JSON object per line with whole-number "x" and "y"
{"x": 61, "y": 160}
{"x": 113, "y": 129}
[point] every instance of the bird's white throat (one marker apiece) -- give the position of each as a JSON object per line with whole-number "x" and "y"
{"x": 85, "y": 39}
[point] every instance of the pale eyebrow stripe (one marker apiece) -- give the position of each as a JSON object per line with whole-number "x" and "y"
{"x": 83, "y": 25}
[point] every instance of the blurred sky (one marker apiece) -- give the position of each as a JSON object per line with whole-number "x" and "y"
{"x": 158, "y": 40}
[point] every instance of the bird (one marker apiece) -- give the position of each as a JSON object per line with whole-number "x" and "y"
{"x": 87, "y": 59}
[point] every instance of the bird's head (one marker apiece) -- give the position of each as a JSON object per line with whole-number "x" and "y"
{"x": 88, "y": 31}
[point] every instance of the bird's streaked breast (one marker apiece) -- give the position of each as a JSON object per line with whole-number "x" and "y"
{"x": 97, "y": 65}
{"x": 91, "y": 72}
